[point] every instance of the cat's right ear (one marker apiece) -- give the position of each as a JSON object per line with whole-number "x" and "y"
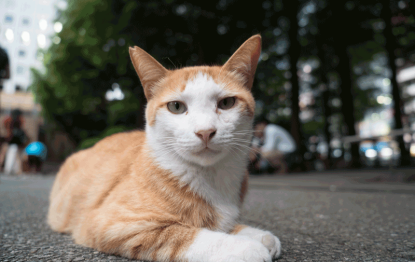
{"x": 148, "y": 69}
{"x": 244, "y": 61}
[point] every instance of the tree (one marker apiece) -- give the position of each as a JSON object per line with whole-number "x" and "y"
{"x": 90, "y": 55}
{"x": 291, "y": 9}
{"x": 326, "y": 97}
{"x": 326, "y": 29}
{"x": 390, "y": 46}
{"x": 346, "y": 35}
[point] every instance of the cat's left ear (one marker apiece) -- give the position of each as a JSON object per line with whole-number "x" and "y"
{"x": 148, "y": 69}
{"x": 244, "y": 61}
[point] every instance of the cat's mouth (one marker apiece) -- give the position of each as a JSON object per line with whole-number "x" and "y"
{"x": 207, "y": 150}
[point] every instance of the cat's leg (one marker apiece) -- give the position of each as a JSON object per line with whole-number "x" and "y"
{"x": 155, "y": 240}
{"x": 143, "y": 238}
{"x": 265, "y": 237}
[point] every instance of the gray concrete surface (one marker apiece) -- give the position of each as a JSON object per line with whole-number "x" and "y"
{"x": 318, "y": 217}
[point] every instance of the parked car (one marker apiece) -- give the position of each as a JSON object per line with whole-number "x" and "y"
{"x": 380, "y": 153}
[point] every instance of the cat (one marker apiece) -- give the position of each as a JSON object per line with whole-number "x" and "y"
{"x": 174, "y": 191}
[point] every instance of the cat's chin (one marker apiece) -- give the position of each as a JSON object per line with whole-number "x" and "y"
{"x": 206, "y": 157}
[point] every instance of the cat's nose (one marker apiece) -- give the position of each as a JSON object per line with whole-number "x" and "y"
{"x": 206, "y": 135}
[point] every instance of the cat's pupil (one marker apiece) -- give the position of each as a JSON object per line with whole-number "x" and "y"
{"x": 176, "y": 105}
{"x": 225, "y": 101}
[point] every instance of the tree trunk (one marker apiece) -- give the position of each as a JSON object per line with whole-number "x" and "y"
{"x": 326, "y": 111}
{"x": 345, "y": 73}
{"x": 346, "y": 96}
{"x": 321, "y": 51}
{"x": 291, "y": 7}
{"x": 390, "y": 48}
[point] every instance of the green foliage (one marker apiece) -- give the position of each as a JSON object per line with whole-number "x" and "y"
{"x": 93, "y": 54}
{"x": 364, "y": 52}
{"x": 362, "y": 56}
{"x": 312, "y": 128}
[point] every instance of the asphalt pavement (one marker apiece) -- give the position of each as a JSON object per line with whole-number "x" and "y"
{"x": 354, "y": 216}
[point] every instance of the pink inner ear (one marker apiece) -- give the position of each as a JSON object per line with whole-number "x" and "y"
{"x": 255, "y": 56}
{"x": 148, "y": 69}
{"x": 244, "y": 61}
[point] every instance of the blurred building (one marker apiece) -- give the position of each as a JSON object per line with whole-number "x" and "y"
{"x": 406, "y": 79}
{"x": 27, "y": 27}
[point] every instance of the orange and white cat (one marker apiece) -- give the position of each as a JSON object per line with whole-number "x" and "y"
{"x": 173, "y": 192}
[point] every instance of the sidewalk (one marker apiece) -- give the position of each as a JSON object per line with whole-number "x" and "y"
{"x": 314, "y": 220}
{"x": 400, "y": 181}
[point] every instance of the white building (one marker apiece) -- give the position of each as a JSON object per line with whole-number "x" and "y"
{"x": 406, "y": 80}
{"x": 25, "y": 27}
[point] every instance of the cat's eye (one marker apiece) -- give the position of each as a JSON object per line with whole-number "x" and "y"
{"x": 226, "y": 103}
{"x": 176, "y": 107}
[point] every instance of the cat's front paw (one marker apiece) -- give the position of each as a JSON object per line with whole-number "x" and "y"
{"x": 245, "y": 249}
{"x": 211, "y": 246}
{"x": 272, "y": 243}
{"x": 266, "y": 238}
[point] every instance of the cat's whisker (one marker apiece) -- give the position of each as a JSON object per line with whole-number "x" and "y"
{"x": 246, "y": 147}
{"x": 241, "y": 141}
{"x": 176, "y": 148}
{"x": 172, "y": 154}
{"x": 240, "y": 150}
{"x": 176, "y": 141}
{"x": 243, "y": 132}
{"x": 241, "y": 138}
{"x": 236, "y": 137}
{"x": 255, "y": 151}
{"x": 167, "y": 152}
{"x": 242, "y": 145}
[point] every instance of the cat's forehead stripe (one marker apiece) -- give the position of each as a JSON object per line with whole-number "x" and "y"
{"x": 202, "y": 84}
{"x": 177, "y": 80}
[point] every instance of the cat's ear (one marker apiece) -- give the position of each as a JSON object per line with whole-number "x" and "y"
{"x": 244, "y": 61}
{"x": 148, "y": 69}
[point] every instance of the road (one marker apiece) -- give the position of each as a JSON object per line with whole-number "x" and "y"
{"x": 318, "y": 217}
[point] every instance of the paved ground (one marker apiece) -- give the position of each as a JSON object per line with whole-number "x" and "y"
{"x": 318, "y": 217}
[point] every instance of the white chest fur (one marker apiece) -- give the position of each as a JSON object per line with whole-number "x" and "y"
{"x": 220, "y": 185}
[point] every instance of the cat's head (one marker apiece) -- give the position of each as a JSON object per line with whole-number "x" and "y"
{"x": 200, "y": 114}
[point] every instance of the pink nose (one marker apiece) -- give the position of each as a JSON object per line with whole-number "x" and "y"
{"x": 206, "y": 135}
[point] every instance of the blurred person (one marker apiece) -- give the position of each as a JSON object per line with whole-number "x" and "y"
{"x": 4, "y": 67}
{"x": 36, "y": 154}
{"x": 4, "y": 74}
{"x": 272, "y": 148}
{"x": 15, "y": 139}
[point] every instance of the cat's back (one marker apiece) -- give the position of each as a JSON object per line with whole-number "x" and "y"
{"x": 121, "y": 141}
{"x": 88, "y": 175}
{"x": 115, "y": 148}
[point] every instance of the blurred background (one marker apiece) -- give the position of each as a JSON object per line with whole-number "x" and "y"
{"x": 339, "y": 76}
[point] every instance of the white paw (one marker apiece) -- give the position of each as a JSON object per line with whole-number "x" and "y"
{"x": 245, "y": 249}
{"x": 266, "y": 238}
{"x": 272, "y": 243}
{"x": 211, "y": 246}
